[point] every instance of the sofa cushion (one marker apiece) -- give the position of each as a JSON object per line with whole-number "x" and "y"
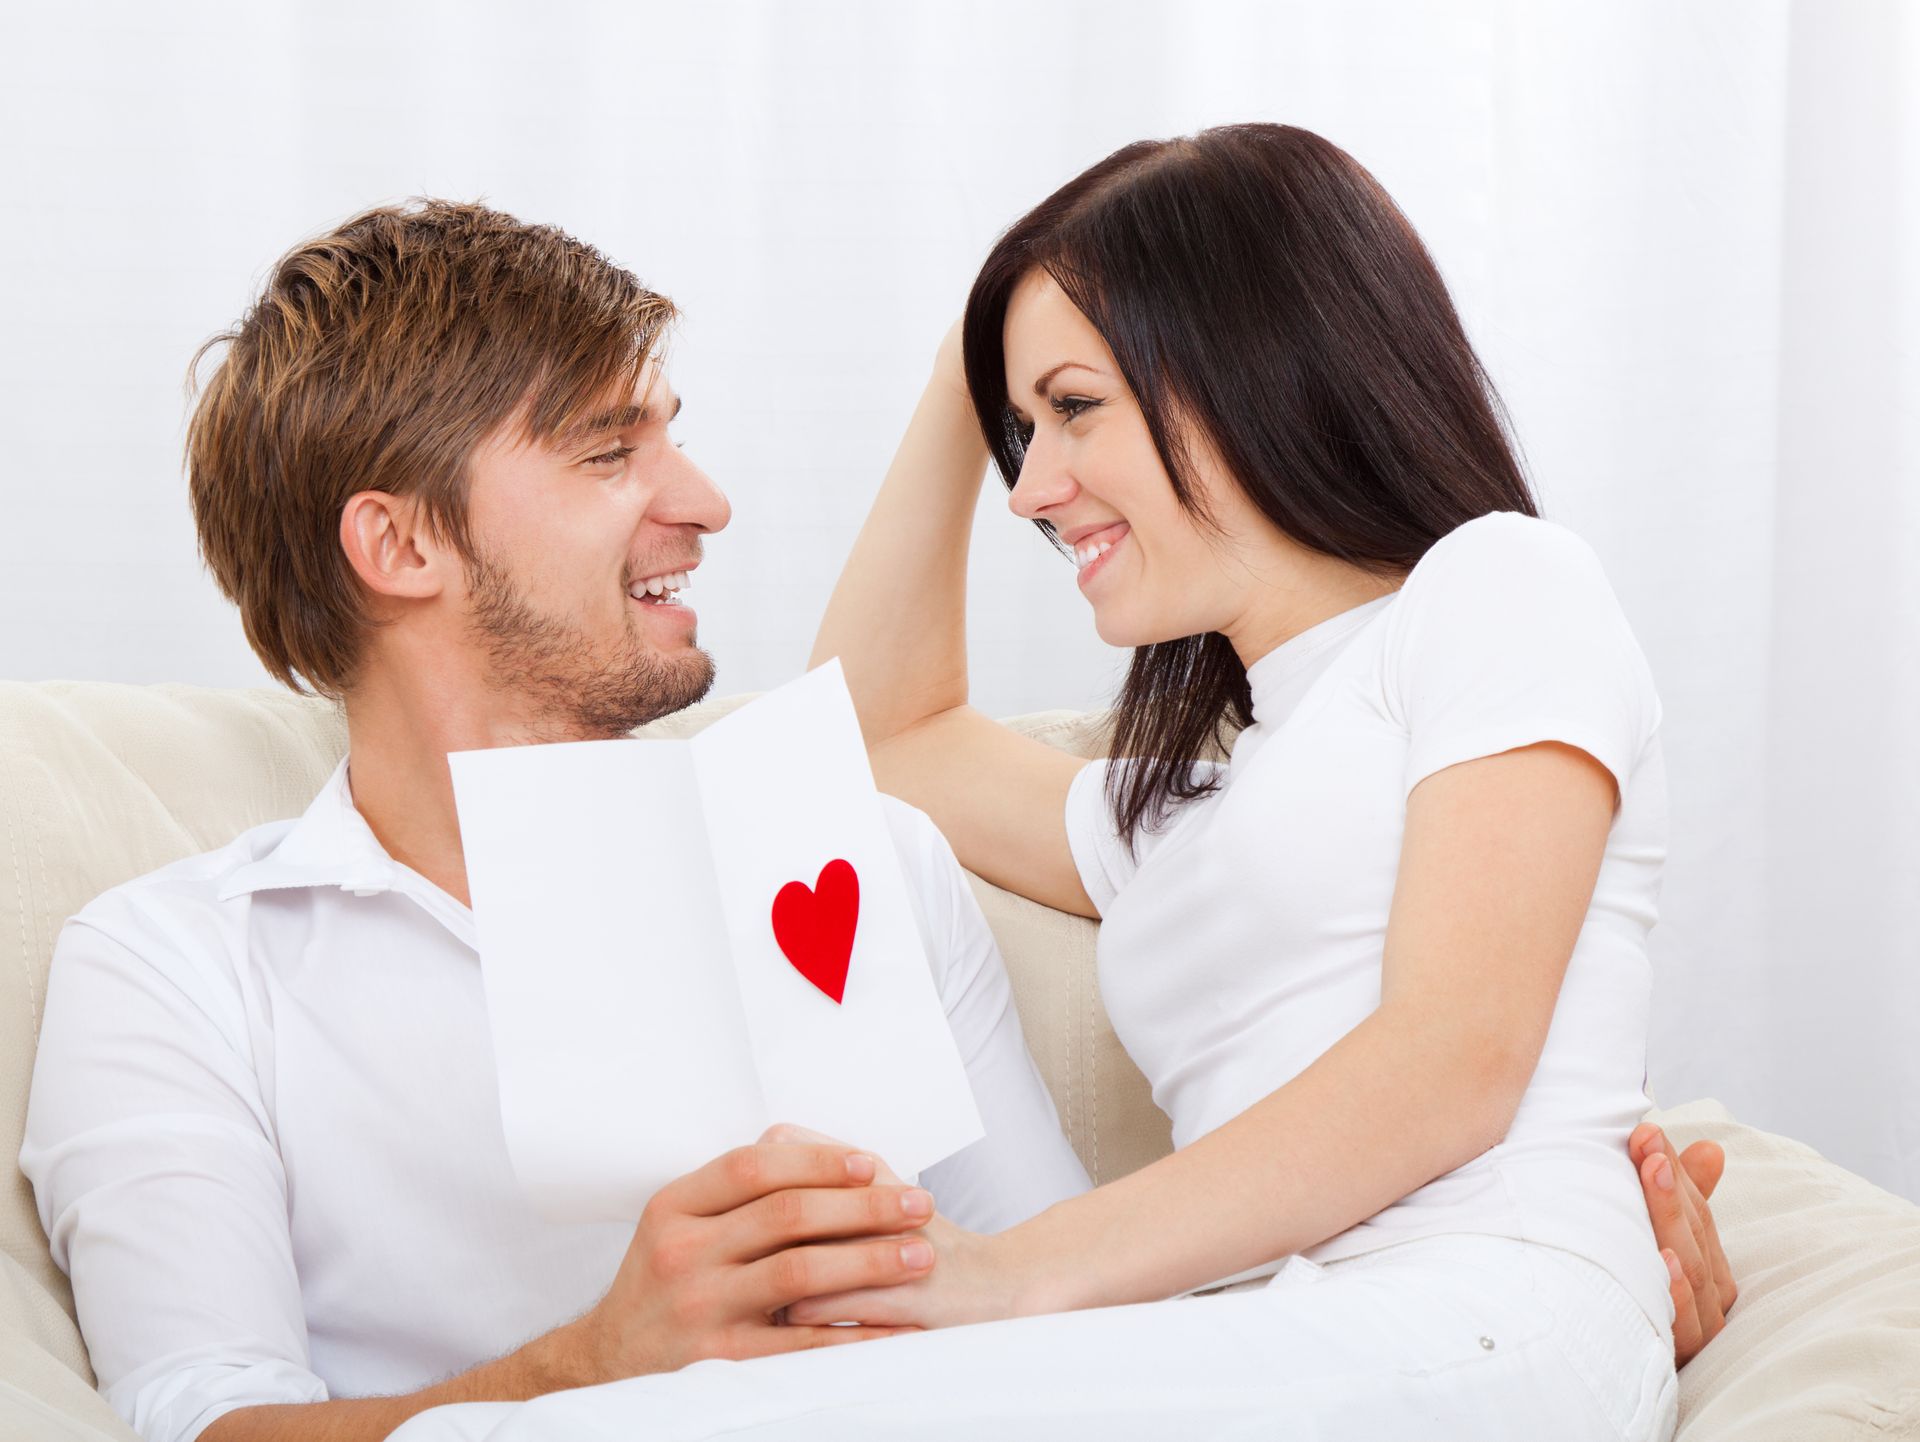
{"x": 1824, "y": 1341}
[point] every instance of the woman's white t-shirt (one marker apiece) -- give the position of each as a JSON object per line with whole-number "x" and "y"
{"x": 1244, "y": 937}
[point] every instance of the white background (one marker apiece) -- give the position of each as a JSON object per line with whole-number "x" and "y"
{"x": 1684, "y": 237}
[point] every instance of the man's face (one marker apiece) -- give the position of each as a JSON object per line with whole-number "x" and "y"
{"x": 567, "y": 535}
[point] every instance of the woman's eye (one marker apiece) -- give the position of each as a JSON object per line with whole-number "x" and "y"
{"x": 1071, "y": 406}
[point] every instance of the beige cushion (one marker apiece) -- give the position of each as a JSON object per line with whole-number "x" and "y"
{"x": 1824, "y": 1341}
{"x": 100, "y": 783}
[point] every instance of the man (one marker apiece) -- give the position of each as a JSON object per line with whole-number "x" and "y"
{"x": 434, "y": 472}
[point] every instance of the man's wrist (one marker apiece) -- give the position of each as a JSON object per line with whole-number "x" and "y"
{"x": 569, "y": 1355}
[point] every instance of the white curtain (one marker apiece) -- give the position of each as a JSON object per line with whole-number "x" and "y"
{"x": 1684, "y": 237}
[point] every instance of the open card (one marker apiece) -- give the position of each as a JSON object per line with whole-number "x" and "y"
{"x": 686, "y": 941}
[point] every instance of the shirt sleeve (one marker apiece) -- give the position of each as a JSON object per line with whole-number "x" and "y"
{"x": 1101, "y": 854}
{"x": 1508, "y": 635}
{"x": 1024, "y": 1163}
{"x": 161, "y": 1191}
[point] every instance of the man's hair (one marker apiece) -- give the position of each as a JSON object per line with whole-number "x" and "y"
{"x": 378, "y": 357}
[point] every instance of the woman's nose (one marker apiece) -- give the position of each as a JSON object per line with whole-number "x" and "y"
{"x": 1042, "y": 484}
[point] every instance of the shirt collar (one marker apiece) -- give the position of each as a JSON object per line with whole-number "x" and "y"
{"x": 1280, "y": 678}
{"x": 331, "y": 845}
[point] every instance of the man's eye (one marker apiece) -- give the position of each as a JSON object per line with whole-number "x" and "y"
{"x": 612, "y": 457}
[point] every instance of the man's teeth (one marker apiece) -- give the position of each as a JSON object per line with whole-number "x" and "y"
{"x": 657, "y": 586}
{"x": 1085, "y": 556}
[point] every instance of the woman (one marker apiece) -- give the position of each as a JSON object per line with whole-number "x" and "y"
{"x": 1386, "y": 968}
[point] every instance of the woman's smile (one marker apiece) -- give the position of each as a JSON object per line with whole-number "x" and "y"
{"x": 1090, "y": 552}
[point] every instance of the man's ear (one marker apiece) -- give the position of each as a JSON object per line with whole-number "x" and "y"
{"x": 391, "y": 547}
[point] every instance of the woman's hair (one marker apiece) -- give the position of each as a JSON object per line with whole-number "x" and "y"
{"x": 1258, "y": 289}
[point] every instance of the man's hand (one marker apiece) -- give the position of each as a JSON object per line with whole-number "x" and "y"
{"x": 1677, "y": 1186}
{"x": 722, "y": 1250}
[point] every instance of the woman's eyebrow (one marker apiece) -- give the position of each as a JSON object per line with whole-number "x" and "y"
{"x": 1040, "y": 386}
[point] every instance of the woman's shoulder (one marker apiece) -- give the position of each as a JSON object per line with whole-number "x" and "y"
{"x": 1506, "y": 559}
{"x": 1506, "y": 537}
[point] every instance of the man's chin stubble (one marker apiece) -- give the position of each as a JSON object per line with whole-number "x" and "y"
{"x": 550, "y": 665}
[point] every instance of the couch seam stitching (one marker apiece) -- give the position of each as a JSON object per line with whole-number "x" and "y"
{"x": 20, "y": 893}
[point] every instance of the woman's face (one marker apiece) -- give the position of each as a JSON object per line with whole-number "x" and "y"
{"x": 1151, "y": 570}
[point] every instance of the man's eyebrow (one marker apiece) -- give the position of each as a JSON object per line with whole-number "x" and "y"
{"x": 620, "y": 420}
{"x": 1040, "y": 386}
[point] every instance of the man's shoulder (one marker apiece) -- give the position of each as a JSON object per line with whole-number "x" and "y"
{"x": 182, "y": 897}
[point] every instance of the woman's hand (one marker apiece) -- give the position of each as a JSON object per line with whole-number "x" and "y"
{"x": 971, "y": 1281}
{"x": 1677, "y": 1185}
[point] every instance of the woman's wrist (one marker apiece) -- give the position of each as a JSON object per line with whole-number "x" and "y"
{"x": 1040, "y": 1273}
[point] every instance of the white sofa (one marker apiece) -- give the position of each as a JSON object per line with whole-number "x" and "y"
{"x": 99, "y": 783}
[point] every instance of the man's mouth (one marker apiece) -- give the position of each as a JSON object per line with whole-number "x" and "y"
{"x": 661, "y": 590}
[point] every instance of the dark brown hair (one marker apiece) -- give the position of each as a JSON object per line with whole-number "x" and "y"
{"x": 377, "y": 357}
{"x": 1257, "y": 287}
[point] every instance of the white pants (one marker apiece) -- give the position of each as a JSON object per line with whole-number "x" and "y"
{"x": 1476, "y": 1338}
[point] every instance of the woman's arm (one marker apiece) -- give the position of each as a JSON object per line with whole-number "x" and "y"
{"x": 897, "y": 621}
{"x": 1497, "y": 870}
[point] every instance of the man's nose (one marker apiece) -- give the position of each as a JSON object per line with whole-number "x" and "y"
{"x": 691, "y": 498}
{"x": 1043, "y": 483}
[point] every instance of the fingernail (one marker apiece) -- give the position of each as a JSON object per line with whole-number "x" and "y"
{"x": 1663, "y": 1172}
{"x": 859, "y": 1167}
{"x": 917, "y": 1203}
{"x": 1673, "y": 1264}
{"x": 915, "y": 1255}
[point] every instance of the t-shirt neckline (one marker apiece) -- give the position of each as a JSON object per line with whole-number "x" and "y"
{"x": 1270, "y": 676}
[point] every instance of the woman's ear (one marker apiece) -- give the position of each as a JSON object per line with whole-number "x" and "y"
{"x": 391, "y": 548}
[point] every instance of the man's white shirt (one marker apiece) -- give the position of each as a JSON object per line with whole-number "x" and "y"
{"x": 264, "y": 1133}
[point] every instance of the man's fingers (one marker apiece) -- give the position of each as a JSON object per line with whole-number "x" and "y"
{"x": 883, "y": 1306}
{"x": 1686, "y": 1315}
{"x": 800, "y": 1272}
{"x": 1674, "y": 1231}
{"x": 1706, "y": 1157}
{"x": 793, "y": 1132}
{"x": 1707, "y": 1265}
{"x": 746, "y": 1174}
{"x": 817, "y": 1214}
{"x": 1704, "y": 1164}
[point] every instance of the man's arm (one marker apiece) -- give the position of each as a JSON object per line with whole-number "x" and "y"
{"x": 1677, "y": 1186}
{"x": 716, "y": 1255}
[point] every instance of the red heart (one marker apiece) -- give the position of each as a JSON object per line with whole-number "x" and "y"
{"x": 815, "y": 928}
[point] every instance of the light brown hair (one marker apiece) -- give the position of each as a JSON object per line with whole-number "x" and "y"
{"x": 378, "y": 357}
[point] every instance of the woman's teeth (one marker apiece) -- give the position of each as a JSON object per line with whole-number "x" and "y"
{"x": 1085, "y": 556}
{"x": 660, "y": 590}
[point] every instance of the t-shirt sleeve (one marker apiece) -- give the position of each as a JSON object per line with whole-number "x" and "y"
{"x": 1023, "y": 1164}
{"x": 1101, "y": 854}
{"x": 1507, "y": 635}
{"x": 162, "y": 1192}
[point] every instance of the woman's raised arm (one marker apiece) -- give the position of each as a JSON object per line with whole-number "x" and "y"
{"x": 897, "y": 621}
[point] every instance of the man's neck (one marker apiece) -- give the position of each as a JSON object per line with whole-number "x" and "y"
{"x": 399, "y": 735}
